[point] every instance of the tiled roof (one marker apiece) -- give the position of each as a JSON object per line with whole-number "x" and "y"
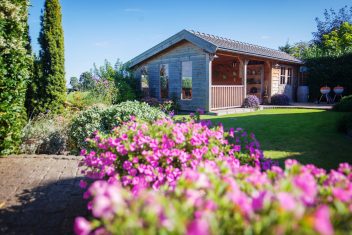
{"x": 211, "y": 44}
{"x": 245, "y": 48}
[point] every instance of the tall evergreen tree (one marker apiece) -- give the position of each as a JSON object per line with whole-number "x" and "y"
{"x": 52, "y": 85}
{"x": 15, "y": 62}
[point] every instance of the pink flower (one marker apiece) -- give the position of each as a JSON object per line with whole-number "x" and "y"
{"x": 237, "y": 148}
{"x": 258, "y": 201}
{"x": 307, "y": 184}
{"x": 127, "y": 165}
{"x": 82, "y": 226}
{"x": 287, "y": 201}
{"x": 101, "y": 206}
{"x": 82, "y": 184}
{"x": 198, "y": 227}
{"x": 322, "y": 222}
{"x": 215, "y": 150}
{"x": 342, "y": 195}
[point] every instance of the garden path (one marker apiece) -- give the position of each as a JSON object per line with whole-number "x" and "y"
{"x": 40, "y": 194}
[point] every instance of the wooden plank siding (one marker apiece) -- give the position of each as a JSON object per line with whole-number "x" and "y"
{"x": 224, "y": 97}
{"x": 183, "y": 51}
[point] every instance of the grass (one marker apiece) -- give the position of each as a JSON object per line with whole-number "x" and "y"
{"x": 308, "y": 135}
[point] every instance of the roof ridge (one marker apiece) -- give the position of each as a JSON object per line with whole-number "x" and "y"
{"x": 236, "y": 41}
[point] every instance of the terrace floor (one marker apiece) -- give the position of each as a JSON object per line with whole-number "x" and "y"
{"x": 40, "y": 194}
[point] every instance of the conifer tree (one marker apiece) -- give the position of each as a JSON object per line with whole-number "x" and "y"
{"x": 51, "y": 90}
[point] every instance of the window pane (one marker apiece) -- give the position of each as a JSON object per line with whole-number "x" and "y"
{"x": 186, "y": 80}
{"x": 144, "y": 82}
{"x": 289, "y": 76}
{"x": 282, "y": 76}
{"x": 164, "y": 81}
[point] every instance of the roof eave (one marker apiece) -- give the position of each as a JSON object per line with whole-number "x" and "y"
{"x": 297, "y": 61}
{"x": 182, "y": 35}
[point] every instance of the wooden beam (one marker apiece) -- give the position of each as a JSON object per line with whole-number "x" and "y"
{"x": 245, "y": 78}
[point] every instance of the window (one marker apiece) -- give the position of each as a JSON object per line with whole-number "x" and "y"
{"x": 186, "y": 80}
{"x": 144, "y": 81}
{"x": 285, "y": 75}
{"x": 164, "y": 81}
{"x": 282, "y": 76}
{"x": 289, "y": 76}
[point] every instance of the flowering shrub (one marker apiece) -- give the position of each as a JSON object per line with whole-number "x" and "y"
{"x": 251, "y": 101}
{"x": 104, "y": 119}
{"x": 145, "y": 154}
{"x": 224, "y": 197}
{"x": 280, "y": 99}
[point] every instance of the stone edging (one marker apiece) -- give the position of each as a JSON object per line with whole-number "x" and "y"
{"x": 58, "y": 157}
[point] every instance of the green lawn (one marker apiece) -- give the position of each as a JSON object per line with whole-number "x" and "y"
{"x": 307, "y": 135}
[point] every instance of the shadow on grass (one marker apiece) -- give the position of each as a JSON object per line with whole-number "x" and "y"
{"x": 310, "y": 136}
{"x": 47, "y": 209}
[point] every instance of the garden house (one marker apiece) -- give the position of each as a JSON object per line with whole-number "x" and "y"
{"x": 214, "y": 73}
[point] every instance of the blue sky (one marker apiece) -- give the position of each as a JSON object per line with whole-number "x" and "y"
{"x": 109, "y": 29}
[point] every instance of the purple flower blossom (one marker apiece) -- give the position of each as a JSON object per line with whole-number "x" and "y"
{"x": 82, "y": 226}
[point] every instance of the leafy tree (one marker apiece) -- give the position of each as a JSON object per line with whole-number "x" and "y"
{"x": 15, "y": 63}
{"x": 76, "y": 86}
{"x": 52, "y": 87}
{"x": 86, "y": 81}
{"x": 338, "y": 41}
{"x": 286, "y": 48}
{"x": 300, "y": 50}
{"x": 332, "y": 20}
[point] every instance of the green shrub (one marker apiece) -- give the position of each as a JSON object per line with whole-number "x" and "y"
{"x": 83, "y": 125}
{"x": 345, "y": 105}
{"x": 344, "y": 124}
{"x": 330, "y": 71}
{"x": 15, "y": 63}
{"x": 280, "y": 99}
{"x": 84, "y": 99}
{"x": 104, "y": 119}
{"x": 46, "y": 134}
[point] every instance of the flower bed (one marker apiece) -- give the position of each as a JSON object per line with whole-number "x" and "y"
{"x": 189, "y": 178}
{"x": 145, "y": 154}
{"x": 224, "y": 197}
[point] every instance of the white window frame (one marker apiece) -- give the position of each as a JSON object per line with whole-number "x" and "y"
{"x": 283, "y": 79}
{"x": 287, "y": 77}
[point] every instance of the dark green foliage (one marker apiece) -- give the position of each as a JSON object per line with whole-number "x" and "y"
{"x": 104, "y": 119}
{"x": 279, "y": 99}
{"x": 345, "y": 105}
{"x": 15, "y": 62}
{"x": 33, "y": 89}
{"x": 124, "y": 84}
{"x": 51, "y": 89}
{"x": 330, "y": 71}
{"x": 86, "y": 81}
{"x": 75, "y": 85}
{"x": 344, "y": 124}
